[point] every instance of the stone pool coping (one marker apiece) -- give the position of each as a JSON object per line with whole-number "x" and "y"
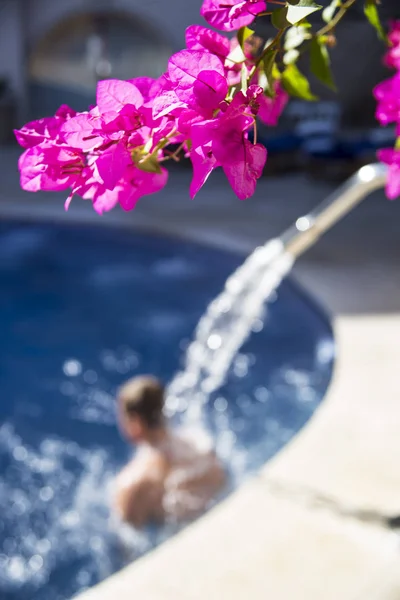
{"x": 307, "y": 527}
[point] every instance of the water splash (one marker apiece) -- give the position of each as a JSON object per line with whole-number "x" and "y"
{"x": 225, "y": 326}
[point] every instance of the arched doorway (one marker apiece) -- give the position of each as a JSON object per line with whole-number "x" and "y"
{"x": 69, "y": 60}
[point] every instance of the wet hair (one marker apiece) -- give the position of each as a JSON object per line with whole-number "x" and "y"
{"x": 143, "y": 397}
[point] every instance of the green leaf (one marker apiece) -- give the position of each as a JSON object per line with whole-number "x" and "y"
{"x": 301, "y": 10}
{"x": 243, "y": 78}
{"x": 149, "y": 163}
{"x": 291, "y": 56}
{"x": 243, "y": 34}
{"x": 279, "y": 18}
{"x": 295, "y": 36}
{"x": 268, "y": 63}
{"x": 371, "y": 12}
{"x": 320, "y": 63}
{"x": 329, "y": 11}
{"x": 296, "y": 84}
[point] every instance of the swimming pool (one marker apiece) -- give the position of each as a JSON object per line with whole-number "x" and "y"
{"x": 82, "y": 309}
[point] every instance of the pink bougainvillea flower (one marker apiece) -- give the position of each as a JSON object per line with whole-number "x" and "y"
{"x": 271, "y": 108}
{"x": 83, "y": 131}
{"x": 391, "y": 157}
{"x": 113, "y": 95}
{"x": 223, "y": 142}
{"x": 194, "y": 73}
{"x": 112, "y": 164}
{"x": 48, "y": 128}
{"x": 50, "y": 168}
{"x": 387, "y": 94}
{"x": 392, "y": 58}
{"x": 133, "y": 186}
{"x": 206, "y": 40}
{"x": 196, "y": 81}
{"x": 229, "y": 15}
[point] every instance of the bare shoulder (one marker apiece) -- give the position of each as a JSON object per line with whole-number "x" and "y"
{"x": 141, "y": 469}
{"x": 139, "y": 488}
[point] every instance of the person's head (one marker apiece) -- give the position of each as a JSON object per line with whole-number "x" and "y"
{"x": 140, "y": 404}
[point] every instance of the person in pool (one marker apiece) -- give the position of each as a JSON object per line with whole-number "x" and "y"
{"x": 171, "y": 478}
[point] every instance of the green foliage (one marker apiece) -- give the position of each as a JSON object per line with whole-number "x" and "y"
{"x": 320, "y": 63}
{"x": 293, "y": 14}
{"x": 268, "y": 63}
{"x": 329, "y": 11}
{"x": 371, "y": 12}
{"x": 296, "y": 84}
{"x": 301, "y": 10}
{"x": 243, "y": 34}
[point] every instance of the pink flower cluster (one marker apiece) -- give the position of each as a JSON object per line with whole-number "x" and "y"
{"x": 115, "y": 152}
{"x": 387, "y": 95}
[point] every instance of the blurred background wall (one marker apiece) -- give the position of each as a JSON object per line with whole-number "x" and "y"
{"x": 53, "y": 52}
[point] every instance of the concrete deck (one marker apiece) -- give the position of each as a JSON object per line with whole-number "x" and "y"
{"x": 310, "y": 525}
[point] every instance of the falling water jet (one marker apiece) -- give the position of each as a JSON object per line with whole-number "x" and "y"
{"x": 220, "y": 332}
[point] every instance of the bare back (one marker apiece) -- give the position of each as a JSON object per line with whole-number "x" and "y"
{"x": 175, "y": 481}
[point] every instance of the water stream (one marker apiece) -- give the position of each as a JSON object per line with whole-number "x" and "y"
{"x": 226, "y": 325}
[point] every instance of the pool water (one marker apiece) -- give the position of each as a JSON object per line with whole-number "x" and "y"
{"x": 81, "y": 310}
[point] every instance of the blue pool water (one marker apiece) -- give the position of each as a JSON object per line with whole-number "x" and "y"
{"x": 81, "y": 309}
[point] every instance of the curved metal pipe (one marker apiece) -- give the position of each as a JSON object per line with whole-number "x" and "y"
{"x": 309, "y": 228}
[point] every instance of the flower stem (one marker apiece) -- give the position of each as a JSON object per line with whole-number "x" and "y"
{"x": 336, "y": 19}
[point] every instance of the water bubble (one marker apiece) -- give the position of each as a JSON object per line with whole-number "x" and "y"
{"x": 83, "y": 578}
{"x": 16, "y": 568}
{"x": 273, "y": 297}
{"x": 220, "y": 404}
{"x": 122, "y": 366}
{"x": 241, "y": 366}
{"x": 43, "y": 546}
{"x": 307, "y": 394}
{"x": 214, "y": 341}
{"x": 67, "y": 388}
{"x": 46, "y": 494}
{"x": 303, "y": 223}
{"x": 72, "y": 368}
{"x": 225, "y": 304}
{"x": 90, "y": 377}
{"x": 296, "y": 378}
{"x": 183, "y": 404}
{"x": 96, "y": 543}
{"x": 70, "y": 519}
{"x": 172, "y": 403}
{"x": 325, "y": 351}
{"x": 108, "y": 360}
{"x": 262, "y": 394}
{"x": 36, "y": 562}
{"x": 20, "y": 453}
{"x": 257, "y": 326}
{"x": 19, "y": 507}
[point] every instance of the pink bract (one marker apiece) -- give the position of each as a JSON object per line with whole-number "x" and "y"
{"x": 223, "y": 142}
{"x": 392, "y": 58}
{"x": 271, "y": 108}
{"x": 387, "y": 94}
{"x": 391, "y": 157}
{"x": 228, "y": 15}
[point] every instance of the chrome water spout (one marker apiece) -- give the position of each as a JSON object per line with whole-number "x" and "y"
{"x": 309, "y": 228}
